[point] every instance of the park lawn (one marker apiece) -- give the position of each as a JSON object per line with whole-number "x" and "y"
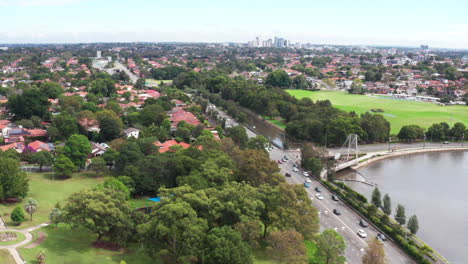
{"x": 47, "y": 193}
{"x": 141, "y": 202}
{"x": 278, "y": 122}
{"x": 5, "y": 257}
{"x": 397, "y": 112}
{"x": 66, "y": 245}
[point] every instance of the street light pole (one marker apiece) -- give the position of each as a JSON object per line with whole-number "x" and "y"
{"x": 389, "y": 141}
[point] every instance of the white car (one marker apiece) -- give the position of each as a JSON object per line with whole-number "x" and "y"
{"x": 306, "y": 174}
{"x": 308, "y": 180}
{"x": 362, "y": 233}
{"x": 295, "y": 169}
{"x": 319, "y": 196}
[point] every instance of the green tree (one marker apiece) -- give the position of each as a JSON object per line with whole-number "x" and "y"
{"x": 331, "y": 247}
{"x": 115, "y": 184}
{"x": 174, "y": 230}
{"x": 51, "y": 89}
{"x": 387, "y": 205}
{"x": 13, "y": 181}
{"x": 411, "y": 133}
{"x": 55, "y": 216}
{"x": 63, "y": 166}
{"x": 31, "y": 206}
{"x": 17, "y": 215}
{"x": 287, "y": 247}
{"x": 43, "y": 158}
{"x": 259, "y": 142}
{"x": 400, "y": 214}
{"x": 413, "y": 224}
{"x": 77, "y": 148}
{"x": 32, "y": 102}
{"x": 458, "y": 131}
{"x": 314, "y": 165}
{"x": 225, "y": 245}
{"x": 104, "y": 212}
{"x": 98, "y": 165}
{"x": 278, "y": 78}
{"x": 153, "y": 114}
{"x": 110, "y": 124}
{"x": 375, "y": 253}
{"x": 110, "y": 156}
{"x": 238, "y": 135}
{"x": 376, "y": 198}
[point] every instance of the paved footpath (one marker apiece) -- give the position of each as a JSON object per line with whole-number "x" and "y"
{"x": 13, "y": 248}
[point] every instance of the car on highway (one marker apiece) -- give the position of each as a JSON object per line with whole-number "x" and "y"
{"x": 306, "y": 174}
{"x": 446, "y": 142}
{"x": 285, "y": 158}
{"x": 280, "y": 162}
{"x": 295, "y": 169}
{"x": 306, "y": 184}
{"x": 317, "y": 189}
{"x": 319, "y": 196}
{"x": 363, "y": 223}
{"x": 335, "y": 198}
{"x": 362, "y": 233}
{"x": 381, "y": 236}
{"x": 287, "y": 174}
{"x": 295, "y": 165}
{"x": 308, "y": 180}
{"x": 336, "y": 211}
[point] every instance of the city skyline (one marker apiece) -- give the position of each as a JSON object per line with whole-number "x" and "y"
{"x": 364, "y": 22}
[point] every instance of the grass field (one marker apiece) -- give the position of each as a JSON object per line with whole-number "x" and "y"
{"x": 397, "y": 112}
{"x": 47, "y": 193}
{"x": 5, "y": 257}
{"x": 278, "y": 122}
{"x": 73, "y": 246}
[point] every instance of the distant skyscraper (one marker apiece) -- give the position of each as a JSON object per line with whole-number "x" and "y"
{"x": 424, "y": 47}
{"x": 98, "y": 54}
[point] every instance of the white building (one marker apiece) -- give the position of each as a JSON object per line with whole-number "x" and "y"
{"x": 98, "y": 54}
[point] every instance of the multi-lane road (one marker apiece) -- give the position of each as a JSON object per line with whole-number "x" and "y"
{"x": 347, "y": 224}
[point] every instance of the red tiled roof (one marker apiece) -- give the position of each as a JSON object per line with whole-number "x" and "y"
{"x": 39, "y": 145}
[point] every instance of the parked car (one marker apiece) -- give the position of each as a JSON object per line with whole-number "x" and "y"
{"x": 295, "y": 165}
{"x": 280, "y": 162}
{"x": 335, "y": 198}
{"x": 287, "y": 175}
{"x": 319, "y": 196}
{"x": 308, "y": 180}
{"x": 362, "y": 233}
{"x": 317, "y": 189}
{"x": 363, "y": 223}
{"x": 295, "y": 169}
{"x": 381, "y": 236}
{"x": 336, "y": 211}
{"x": 285, "y": 157}
{"x": 306, "y": 184}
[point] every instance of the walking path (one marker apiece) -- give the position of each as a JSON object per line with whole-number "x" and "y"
{"x": 13, "y": 248}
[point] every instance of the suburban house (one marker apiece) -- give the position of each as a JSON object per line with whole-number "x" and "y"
{"x": 97, "y": 149}
{"x": 166, "y": 146}
{"x": 183, "y": 115}
{"x": 37, "y": 146}
{"x": 131, "y": 132}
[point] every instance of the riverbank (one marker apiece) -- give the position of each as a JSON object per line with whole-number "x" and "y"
{"x": 378, "y": 156}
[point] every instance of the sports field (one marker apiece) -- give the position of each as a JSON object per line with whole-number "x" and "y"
{"x": 397, "y": 112}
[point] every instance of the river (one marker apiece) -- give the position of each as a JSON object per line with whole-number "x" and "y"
{"x": 434, "y": 186}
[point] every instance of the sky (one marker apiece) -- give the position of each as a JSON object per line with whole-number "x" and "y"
{"x": 442, "y": 24}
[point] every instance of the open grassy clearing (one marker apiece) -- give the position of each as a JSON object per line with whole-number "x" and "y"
{"x": 66, "y": 245}
{"x": 5, "y": 257}
{"x": 47, "y": 192}
{"x": 19, "y": 237}
{"x": 397, "y": 112}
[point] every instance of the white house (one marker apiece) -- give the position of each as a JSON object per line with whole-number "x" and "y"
{"x": 131, "y": 132}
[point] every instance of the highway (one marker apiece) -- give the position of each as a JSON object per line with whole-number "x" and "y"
{"x": 347, "y": 224}
{"x": 399, "y": 146}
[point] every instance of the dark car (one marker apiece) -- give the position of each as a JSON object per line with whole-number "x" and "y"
{"x": 317, "y": 189}
{"x": 287, "y": 174}
{"x": 335, "y": 198}
{"x": 295, "y": 165}
{"x": 285, "y": 158}
{"x": 336, "y": 211}
{"x": 381, "y": 236}
{"x": 363, "y": 223}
